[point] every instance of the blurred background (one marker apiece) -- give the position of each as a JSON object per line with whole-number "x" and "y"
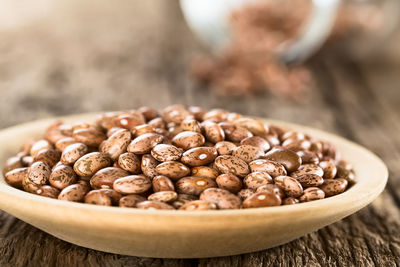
{"x": 62, "y": 57}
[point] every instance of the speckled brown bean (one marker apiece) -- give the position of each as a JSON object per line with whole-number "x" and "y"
{"x": 75, "y": 193}
{"x": 97, "y": 197}
{"x": 116, "y": 144}
{"x": 221, "y": 197}
{"x": 213, "y": 132}
{"x": 199, "y": 156}
{"x": 234, "y": 132}
{"x": 308, "y": 169}
{"x": 289, "y": 159}
{"x": 11, "y": 164}
{"x": 290, "y": 201}
{"x": 311, "y": 194}
{"x": 89, "y": 136}
{"x": 194, "y": 185}
{"x": 113, "y": 195}
{"x": 48, "y": 191}
{"x": 333, "y": 187}
{"x": 329, "y": 169}
{"x": 248, "y": 153}
{"x": 90, "y": 163}
{"x": 262, "y": 199}
{"x": 105, "y": 178}
{"x": 225, "y": 147}
{"x": 253, "y": 125}
{"x": 162, "y": 183}
{"x": 271, "y": 167}
{"x": 191, "y": 125}
{"x": 346, "y": 174}
{"x": 183, "y": 199}
{"x": 188, "y": 140}
{"x": 308, "y": 157}
{"x": 73, "y": 152}
{"x": 143, "y": 129}
{"x": 48, "y": 156}
{"x": 144, "y": 144}
{"x": 229, "y": 182}
{"x": 256, "y": 141}
{"x": 257, "y": 179}
{"x": 174, "y": 113}
{"x": 39, "y": 145}
{"x": 245, "y": 193}
{"x": 231, "y": 164}
{"x": 172, "y": 169}
{"x": 310, "y": 180}
{"x": 113, "y": 130}
{"x": 129, "y": 162}
{"x": 63, "y": 143}
{"x": 133, "y": 184}
{"x": 163, "y": 196}
{"x": 290, "y": 185}
{"x": 62, "y": 176}
{"x": 129, "y": 121}
{"x": 153, "y": 205}
{"x": 272, "y": 188}
{"x": 198, "y": 205}
{"x": 163, "y": 152}
{"x": 15, "y": 176}
{"x": 39, "y": 173}
{"x": 204, "y": 171}
{"x": 130, "y": 201}
{"x": 157, "y": 123}
{"x": 148, "y": 165}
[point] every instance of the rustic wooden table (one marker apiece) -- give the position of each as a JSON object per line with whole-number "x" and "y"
{"x": 49, "y": 76}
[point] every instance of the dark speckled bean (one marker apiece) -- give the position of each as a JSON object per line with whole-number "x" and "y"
{"x": 290, "y": 185}
{"x": 333, "y": 187}
{"x": 148, "y": 165}
{"x": 48, "y": 191}
{"x": 257, "y": 179}
{"x": 143, "y": 144}
{"x": 162, "y": 183}
{"x": 183, "y": 199}
{"x": 73, "y": 152}
{"x": 233, "y": 165}
{"x": 89, "y": 136}
{"x": 63, "y": 143}
{"x": 311, "y": 194}
{"x": 248, "y": 153}
{"x": 15, "y": 176}
{"x": 245, "y": 193}
{"x": 188, "y": 140}
{"x": 39, "y": 173}
{"x": 222, "y": 198}
{"x": 116, "y": 144}
{"x": 310, "y": 180}
{"x": 163, "y": 196}
{"x": 194, "y": 185}
{"x": 130, "y": 162}
{"x": 134, "y": 184}
{"x": 213, "y": 132}
{"x": 172, "y": 169}
{"x": 130, "y": 201}
{"x": 225, "y": 147}
{"x": 308, "y": 169}
{"x": 91, "y": 163}
{"x": 62, "y": 176}
{"x": 98, "y": 197}
{"x": 163, "y": 152}
{"x": 256, "y": 141}
{"x": 204, "y": 171}
{"x": 271, "y": 167}
{"x": 329, "y": 169}
{"x": 272, "y": 188}
{"x": 229, "y": 182}
{"x": 75, "y": 193}
{"x": 48, "y": 156}
{"x": 105, "y": 178}
{"x": 290, "y": 201}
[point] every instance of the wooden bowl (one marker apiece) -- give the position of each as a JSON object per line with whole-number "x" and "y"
{"x": 182, "y": 234}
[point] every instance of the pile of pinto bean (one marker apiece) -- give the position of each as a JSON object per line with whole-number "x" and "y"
{"x": 181, "y": 158}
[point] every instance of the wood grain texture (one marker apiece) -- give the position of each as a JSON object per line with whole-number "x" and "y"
{"x": 56, "y": 74}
